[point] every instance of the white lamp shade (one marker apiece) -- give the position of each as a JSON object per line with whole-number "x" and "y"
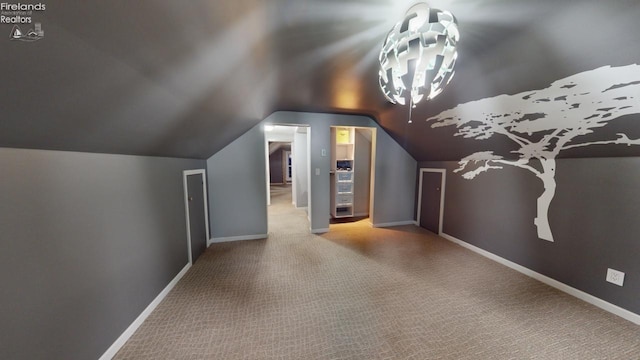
{"x": 418, "y": 55}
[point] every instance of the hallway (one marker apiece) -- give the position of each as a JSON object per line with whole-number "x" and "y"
{"x": 283, "y": 217}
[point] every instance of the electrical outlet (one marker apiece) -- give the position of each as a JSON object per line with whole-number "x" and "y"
{"x": 615, "y": 277}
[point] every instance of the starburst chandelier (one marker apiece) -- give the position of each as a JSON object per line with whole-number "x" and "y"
{"x": 418, "y": 55}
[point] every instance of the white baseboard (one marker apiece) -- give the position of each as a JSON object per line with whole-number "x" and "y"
{"x": 614, "y": 309}
{"x": 119, "y": 343}
{"x": 391, "y": 224}
{"x": 237, "y": 238}
{"x": 319, "y": 231}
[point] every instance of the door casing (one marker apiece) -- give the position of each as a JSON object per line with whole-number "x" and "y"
{"x": 442, "y": 187}
{"x": 186, "y": 173}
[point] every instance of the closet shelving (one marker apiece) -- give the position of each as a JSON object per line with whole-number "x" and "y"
{"x": 342, "y": 175}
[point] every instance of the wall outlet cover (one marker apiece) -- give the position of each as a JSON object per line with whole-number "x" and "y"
{"x": 615, "y": 277}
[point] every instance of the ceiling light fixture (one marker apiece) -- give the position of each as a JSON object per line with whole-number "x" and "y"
{"x": 418, "y": 56}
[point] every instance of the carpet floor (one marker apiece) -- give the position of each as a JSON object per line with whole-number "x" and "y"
{"x": 359, "y": 292}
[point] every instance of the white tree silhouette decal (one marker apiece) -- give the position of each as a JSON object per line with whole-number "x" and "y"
{"x": 545, "y": 122}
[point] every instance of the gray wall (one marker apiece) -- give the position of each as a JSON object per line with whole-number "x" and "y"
{"x": 301, "y": 176}
{"x": 593, "y": 216}
{"x": 362, "y": 172}
{"x": 237, "y": 187}
{"x": 88, "y": 241}
{"x": 237, "y": 177}
{"x": 276, "y": 175}
{"x": 395, "y": 182}
{"x": 394, "y": 193}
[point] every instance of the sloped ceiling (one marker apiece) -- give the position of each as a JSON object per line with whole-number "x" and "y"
{"x": 185, "y": 78}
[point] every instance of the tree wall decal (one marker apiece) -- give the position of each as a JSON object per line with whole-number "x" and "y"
{"x": 542, "y": 123}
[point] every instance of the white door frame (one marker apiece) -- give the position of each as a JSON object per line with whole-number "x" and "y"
{"x": 266, "y": 159}
{"x": 372, "y": 165}
{"x": 294, "y": 195}
{"x": 186, "y": 173}
{"x": 267, "y": 170}
{"x": 443, "y": 181}
{"x": 372, "y": 170}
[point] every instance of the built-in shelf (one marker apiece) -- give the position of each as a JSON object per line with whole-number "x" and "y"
{"x": 342, "y": 175}
{"x": 344, "y": 151}
{"x": 343, "y": 211}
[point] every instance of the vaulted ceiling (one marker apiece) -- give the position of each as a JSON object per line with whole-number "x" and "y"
{"x": 185, "y": 78}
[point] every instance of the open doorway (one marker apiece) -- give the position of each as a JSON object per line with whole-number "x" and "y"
{"x": 287, "y": 150}
{"x": 279, "y": 163}
{"x": 352, "y": 173}
{"x": 280, "y": 172}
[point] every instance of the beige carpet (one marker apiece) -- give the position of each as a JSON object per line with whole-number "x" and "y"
{"x": 364, "y": 293}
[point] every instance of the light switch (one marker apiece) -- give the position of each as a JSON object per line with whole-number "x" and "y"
{"x": 323, "y": 152}
{"x": 317, "y": 171}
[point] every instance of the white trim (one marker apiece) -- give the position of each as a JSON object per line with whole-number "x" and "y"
{"x": 119, "y": 343}
{"x": 267, "y": 170}
{"x": 309, "y": 188}
{"x": 294, "y": 168}
{"x": 372, "y": 173}
{"x": 319, "y": 231}
{"x": 205, "y": 200}
{"x": 238, "y": 238}
{"x": 391, "y": 224}
{"x": 443, "y": 181}
{"x": 286, "y": 154}
{"x": 604, "y": 305}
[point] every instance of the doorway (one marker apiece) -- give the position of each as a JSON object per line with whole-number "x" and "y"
{"x": 287, "y": 163}
{"x": 196, "y": 212}
{"x": 288, "y": 177}
{"x": 279, "y": 162}
{"x": 431, "y": 199}
{"x": 352, "y": 173}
